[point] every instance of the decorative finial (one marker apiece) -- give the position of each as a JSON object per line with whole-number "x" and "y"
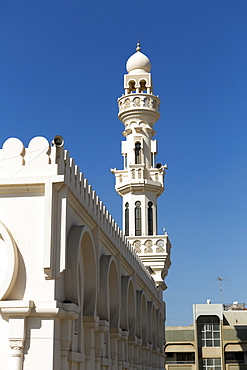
{"x": 138, "y": 46}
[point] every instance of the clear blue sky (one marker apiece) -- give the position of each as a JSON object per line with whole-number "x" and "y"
{"x": 61, "y": 72}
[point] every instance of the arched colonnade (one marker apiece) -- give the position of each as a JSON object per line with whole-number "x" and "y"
{"x": 117, "y": 325}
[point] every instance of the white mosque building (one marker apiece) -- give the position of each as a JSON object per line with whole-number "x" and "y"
{"x": 76, "y": 292}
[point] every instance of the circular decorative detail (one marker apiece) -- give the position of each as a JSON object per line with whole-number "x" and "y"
{"x": 137, "y": 245}
{"x": 137, "y": 102}
{"x": 148, "y": 246}
{"x": 8, "y": 261}
{"x": 127, "y": 103}
{"x": 146, "y": 102}
{"x": 155, "y": 104}
{"x": 160, "y": 246}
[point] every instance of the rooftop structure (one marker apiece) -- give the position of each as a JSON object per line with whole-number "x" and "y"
{"x": 216, "y": 340}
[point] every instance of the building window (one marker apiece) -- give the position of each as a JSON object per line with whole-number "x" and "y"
{"x": 138, "y": 220}
{"x": 234, "y": 357}
{"x": 132, "y": 87}
{"x": 127, "y": 219}
{"x": 209, "y": 331}
{"x": 211, "y": 364}
{"x": 180, "y": 358}
{"x": 150, "y": 218}
{"x": 143, "y": 87}
{"x": 137, "y": 153}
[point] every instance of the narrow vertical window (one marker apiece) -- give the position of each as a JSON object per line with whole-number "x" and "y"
{"x": 137, "y": 153}
{"x": 138, "y": 220}
{"x": 150, "y": 218}
{"x": 127, "y": 219}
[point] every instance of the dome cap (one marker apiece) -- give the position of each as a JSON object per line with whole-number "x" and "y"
{"x": 138, "y": 62}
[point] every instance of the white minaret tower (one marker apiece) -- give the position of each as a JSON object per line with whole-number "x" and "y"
{"x": 142, "y": 180}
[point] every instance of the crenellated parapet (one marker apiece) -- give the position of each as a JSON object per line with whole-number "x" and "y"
{"x": 41, "y": 163}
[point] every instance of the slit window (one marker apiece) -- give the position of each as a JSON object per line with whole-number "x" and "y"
{"x": 138, "y": 224}
{"x": 127, "y": 219}
{"x": 137, "y": 153}
{"x": 150, "y": 218}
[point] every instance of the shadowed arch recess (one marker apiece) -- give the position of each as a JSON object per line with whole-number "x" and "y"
{"x": 109, "y": 297}
{"x": 81, "y": 256}
{"x": 128, "y": 306}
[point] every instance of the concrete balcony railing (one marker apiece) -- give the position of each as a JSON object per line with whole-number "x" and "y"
{"x": 158, "y": 244}
{"x": 143, "y": 101}
{"x": 138, "y": 173}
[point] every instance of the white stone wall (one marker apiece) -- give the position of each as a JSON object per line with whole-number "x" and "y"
{"x": 73, "y": 293}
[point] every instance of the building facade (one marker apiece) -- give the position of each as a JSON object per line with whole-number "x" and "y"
{"x": 216, "y": 340}
{"x": 74, "y": 295}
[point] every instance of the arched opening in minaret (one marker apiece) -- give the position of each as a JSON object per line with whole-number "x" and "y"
{"x": 137, "y": 152}
{"x": 143, "y": 87}
{"x": 150, "y": 218}
{"x": 138, "y": 219}
{"x": 132, "y": 87}
{"x": 127, "y": 219}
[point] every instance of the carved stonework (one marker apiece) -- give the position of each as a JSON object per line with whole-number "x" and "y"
{"x": 65, "y": 346}
{"x": 146, "y": 102}
{"x": 155, "y": 104}
{"x": 137, "y": 102}
{"x": 160, "y": 246}
{"x": 126, "y": 103}
{"x": 137, "y": 245}
{"x": 148, "y": 246}
{"x": 133, "y": 173}
{"x": 17, "y": 347}
{"x": 139, "y": 173}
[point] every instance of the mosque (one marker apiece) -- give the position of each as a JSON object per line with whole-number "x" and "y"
{"x": 76, "y": 292}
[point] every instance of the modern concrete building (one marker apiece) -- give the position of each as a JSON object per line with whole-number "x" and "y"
{"x": 216, "y": 340}
{"x": 74, "y": 294}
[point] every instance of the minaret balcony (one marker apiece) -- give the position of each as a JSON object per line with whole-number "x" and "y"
{"x": 138, "y": 178}
{"x": 154, "y": 251}
{"x": 155, "y": 244}
{"x": 157, "y": 174}
{"x": 142, "y": 101}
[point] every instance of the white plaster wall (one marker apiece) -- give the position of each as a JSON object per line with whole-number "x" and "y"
{"x": 24, "y": 216}
{"x": 5, "y": 356}
{"x": 40, "y": 345}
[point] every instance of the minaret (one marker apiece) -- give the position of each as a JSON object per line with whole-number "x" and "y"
{"x": 142, "y": 180}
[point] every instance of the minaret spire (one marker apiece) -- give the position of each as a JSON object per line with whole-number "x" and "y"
{"x": 142, "y": 181}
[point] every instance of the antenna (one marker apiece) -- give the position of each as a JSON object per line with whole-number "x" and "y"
{"x": 220, "y": 281}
